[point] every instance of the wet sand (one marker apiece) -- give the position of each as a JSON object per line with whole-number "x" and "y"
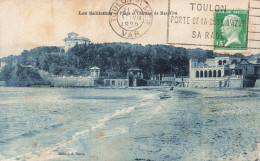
{"x": 200, "y": 124}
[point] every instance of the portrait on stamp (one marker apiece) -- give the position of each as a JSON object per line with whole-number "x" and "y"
{"x": 231, "y": 29}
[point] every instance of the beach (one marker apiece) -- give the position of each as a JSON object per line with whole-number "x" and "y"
{"x": 129, "y": 124}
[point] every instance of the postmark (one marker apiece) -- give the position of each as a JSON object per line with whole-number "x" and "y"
{"x": 130, "y": 19}
{"x": 193, "y": 25}
{"x": 230, "y": 31}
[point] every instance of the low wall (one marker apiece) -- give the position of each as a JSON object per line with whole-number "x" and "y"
{"x": 231, "y": 83}
{"x": 72, "y": 81}
{"x": 209, "y": 84}
{"x": 68, "y": 81}
{"x": 234, "y": 83}
{"x": 2, "y": 83}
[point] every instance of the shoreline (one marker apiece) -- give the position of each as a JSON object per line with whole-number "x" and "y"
{"x": 193, "y": 124}
{"x": 137, "y": 87}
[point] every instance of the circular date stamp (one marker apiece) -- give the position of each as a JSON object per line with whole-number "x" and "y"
{"x": 130, "y": 19}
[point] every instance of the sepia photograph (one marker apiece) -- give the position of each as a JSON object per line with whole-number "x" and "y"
{"x": 129, "y": 80}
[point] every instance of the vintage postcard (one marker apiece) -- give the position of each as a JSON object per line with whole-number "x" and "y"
{"x": 129, "y": 80}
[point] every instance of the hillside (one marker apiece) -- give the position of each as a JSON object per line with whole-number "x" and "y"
{"x": 114, "y": 59}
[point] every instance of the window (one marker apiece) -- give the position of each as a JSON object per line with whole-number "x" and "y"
{"x": 214, "y": 73}
{"x": 205, "y": 73}
{"x": 236, "y": 72}
{"x": 210, "y": 73}
{"x": 219, "y": 73}
{"x": 220, "y": 62}
{"x": 107, "y": 82}
{"x": 201, "y": 74}
{"x": 197, "y": 74}
{"x": 113, "y": 83}
{"x": 234, "y": 61}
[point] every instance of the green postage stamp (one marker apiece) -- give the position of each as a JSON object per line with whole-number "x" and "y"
{"x": 231, "y": 29}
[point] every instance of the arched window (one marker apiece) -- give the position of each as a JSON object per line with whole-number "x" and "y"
{"x": 219, "y": 73}
{"x": 214, "y": 73}
{"x": 197, "y": 74}
{"x": 236, "y": 72}
{"x": 201, "y": 74}
{"x": 234, "y": 61}
{"x": 224, "y": 62}
{"x": 210, "y": 73}
{"x": 220, "y": 62}
{"x": 205, "y": 73}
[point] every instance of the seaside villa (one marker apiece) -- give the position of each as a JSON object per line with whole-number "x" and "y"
{"x": 74, "y": 39}
{"x": 224, "y": 72}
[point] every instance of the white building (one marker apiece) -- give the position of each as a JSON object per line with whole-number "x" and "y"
{"x": 95, "y": 72}
{"x": 116, "y": 82}
{"x": 135, "y": 76}
{"x": 222, "y": 72}
{"x": 73, "y": 39}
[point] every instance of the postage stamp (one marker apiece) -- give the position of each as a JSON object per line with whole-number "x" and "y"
{"x": 230, "y": 30}
{"x": 200, "y": 24}
{"x": 130, "y": 19}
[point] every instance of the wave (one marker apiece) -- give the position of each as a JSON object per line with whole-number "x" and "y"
{"x": 102, "y": 121}
{"x": 55, "y": 126}
{"x": 47, "y": 151}
{"x": 31, "y": 133}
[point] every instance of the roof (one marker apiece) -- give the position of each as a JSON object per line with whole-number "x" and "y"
{"x": 254, "y": 62}
{"x": 77, "y": 38}
{"x": 94, "y": 68}
{"x": 222, "y": 57}
{"x": 135, "y": 69}
{"x": 72, "y": 33}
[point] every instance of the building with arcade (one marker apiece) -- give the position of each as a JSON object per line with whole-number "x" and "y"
{"x": 223, "y": 72}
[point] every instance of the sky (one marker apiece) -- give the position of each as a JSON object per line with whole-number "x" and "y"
{"x": 26, "y": 24}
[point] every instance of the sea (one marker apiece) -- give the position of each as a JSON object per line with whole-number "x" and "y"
{"x": 33, "y": 120}
{"x": 52, "y": 124}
